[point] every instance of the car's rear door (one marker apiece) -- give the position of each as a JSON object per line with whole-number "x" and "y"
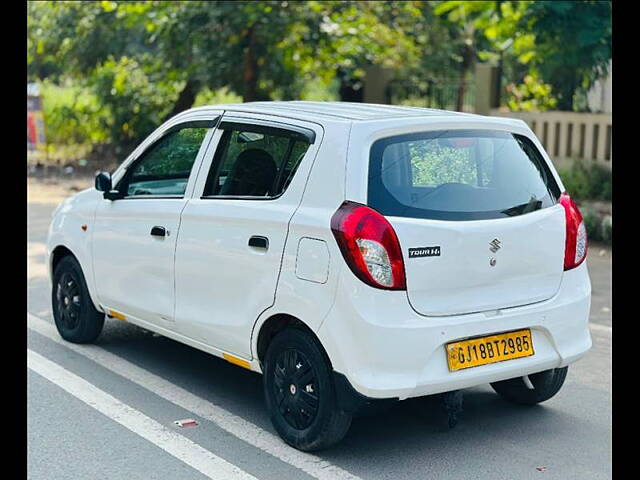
{"x": 233, "y": 231}
{"x": 134, "y": 237}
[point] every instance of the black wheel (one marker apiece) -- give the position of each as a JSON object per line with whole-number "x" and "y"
{"x": 300, "y": 394}
{"x": 76, "y": 318}
{"x": 545, "y": 385}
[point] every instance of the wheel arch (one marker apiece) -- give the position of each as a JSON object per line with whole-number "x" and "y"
{"x": 61, "y": 251}
{"x": 274, "y": 324}
{"x": 57, "y": 254}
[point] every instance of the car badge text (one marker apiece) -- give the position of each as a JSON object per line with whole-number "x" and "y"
{"x": 424, "y": 252}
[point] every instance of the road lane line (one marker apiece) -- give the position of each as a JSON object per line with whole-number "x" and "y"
{"x": 174, "y": 444}
{"x": 237, "y": 426}
{"x": 601, "y": 328}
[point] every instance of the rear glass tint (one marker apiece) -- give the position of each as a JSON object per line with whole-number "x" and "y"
{"x": 459, "y": 175}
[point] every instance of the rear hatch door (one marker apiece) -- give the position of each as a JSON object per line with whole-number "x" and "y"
{"x": 463, "y": 267}
{"x": 476, "y": 215}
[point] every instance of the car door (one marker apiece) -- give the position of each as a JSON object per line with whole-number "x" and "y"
{"x": 234, "y": 229}
{"x": 134, "y": 237}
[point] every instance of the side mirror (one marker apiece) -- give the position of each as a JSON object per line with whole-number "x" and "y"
{"x": 112, "y": 195}
{"x": 103, "y": 182}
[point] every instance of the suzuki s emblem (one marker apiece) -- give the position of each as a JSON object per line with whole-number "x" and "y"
{"x": 495, "y": 245}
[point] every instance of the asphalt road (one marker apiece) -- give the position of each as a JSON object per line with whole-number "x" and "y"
{"x": 107, "y": 411}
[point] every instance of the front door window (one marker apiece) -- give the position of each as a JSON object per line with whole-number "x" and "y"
{"x": 164, "y": 168}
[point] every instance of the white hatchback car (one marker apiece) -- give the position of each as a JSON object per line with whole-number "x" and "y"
{"x": 353, "y": 254}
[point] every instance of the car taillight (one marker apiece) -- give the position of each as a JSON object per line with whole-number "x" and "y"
{"x": 575, "y": 247}
{"x": 369, "y": 245}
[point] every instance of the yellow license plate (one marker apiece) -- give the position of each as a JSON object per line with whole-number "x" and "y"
{"x": 484, "y": 350}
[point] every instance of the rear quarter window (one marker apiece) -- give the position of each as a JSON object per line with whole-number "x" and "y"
{"x": 459, "y": 175}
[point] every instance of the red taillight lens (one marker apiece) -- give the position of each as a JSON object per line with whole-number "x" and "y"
{"x": 369, "y": 245}
{"x": 575, "y": 247}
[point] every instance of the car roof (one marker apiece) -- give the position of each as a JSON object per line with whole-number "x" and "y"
{"x": 338, "y": 110}
{"x": 367, "y": 115}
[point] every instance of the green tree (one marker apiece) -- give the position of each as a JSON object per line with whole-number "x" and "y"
{"x": 490, "y": 31}
{"x": 146, "y": 61}
{"x": 572, "y": 45}
{"x": 341, "y": 38}
{"x": 565, "y": 45}
{"x": 463, "y": 19}
{"x": 100, "y": 46}
{"x": 141, "y": 62}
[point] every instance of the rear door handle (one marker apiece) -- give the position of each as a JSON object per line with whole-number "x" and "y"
{"x": 158, "y": 231}
{"x": 258, "y": 241}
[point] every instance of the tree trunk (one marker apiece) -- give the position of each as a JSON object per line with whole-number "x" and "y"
{"x": 467, "y": 61}
{"x": 462, "y": 86}
{"x": 185, "y": 99}
{"x": 348, "y": 91}
{"x": 567, "y": 90}
{"x": 250, "y": 74}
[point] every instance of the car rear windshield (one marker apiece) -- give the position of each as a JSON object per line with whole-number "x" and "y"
{"x": 459, "y": 175}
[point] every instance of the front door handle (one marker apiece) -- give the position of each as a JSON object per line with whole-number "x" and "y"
{"x": 257, "y": 241}
{"x": 158, "y": 231}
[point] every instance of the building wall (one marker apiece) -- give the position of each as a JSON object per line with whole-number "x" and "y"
{"x": 599, "y": 97}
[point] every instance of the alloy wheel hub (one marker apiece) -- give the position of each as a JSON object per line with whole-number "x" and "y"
{"x": 296, "y": 389}
{"x": 68, "y": 300}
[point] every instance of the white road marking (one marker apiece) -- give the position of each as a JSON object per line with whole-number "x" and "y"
{"x": 36, "y": 263}
{"x": 237, "y": 426}
{"x": 174, "y": 444}
{"x": 601, "y": 328}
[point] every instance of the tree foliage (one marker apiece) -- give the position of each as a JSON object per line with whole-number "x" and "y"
{"x": 144, "y": 61}
{"x": 572, "y": 44}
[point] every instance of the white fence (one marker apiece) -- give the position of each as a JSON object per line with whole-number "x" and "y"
{"x": 569, "y": 136}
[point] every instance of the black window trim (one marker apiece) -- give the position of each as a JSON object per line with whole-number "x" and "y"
{"x": 153, "y": 197}
{"x": 195, "y": 123}
{"x": 258, "y": 126}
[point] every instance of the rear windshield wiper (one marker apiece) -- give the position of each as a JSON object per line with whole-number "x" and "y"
{"x": 530, "y": 206}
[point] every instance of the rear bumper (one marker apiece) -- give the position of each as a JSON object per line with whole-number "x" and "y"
{"x": 385, "y": 349}
{"x": 352, "y": 401}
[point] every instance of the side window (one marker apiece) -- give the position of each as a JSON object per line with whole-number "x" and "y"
{"x": 165, "y": 167}
{"x": 258, "y": 163}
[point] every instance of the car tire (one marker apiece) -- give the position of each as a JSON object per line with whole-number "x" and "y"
{"x": 546, "y": 384}
{"x": 298, "y": 376}
{"x": 76, "y": 318}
